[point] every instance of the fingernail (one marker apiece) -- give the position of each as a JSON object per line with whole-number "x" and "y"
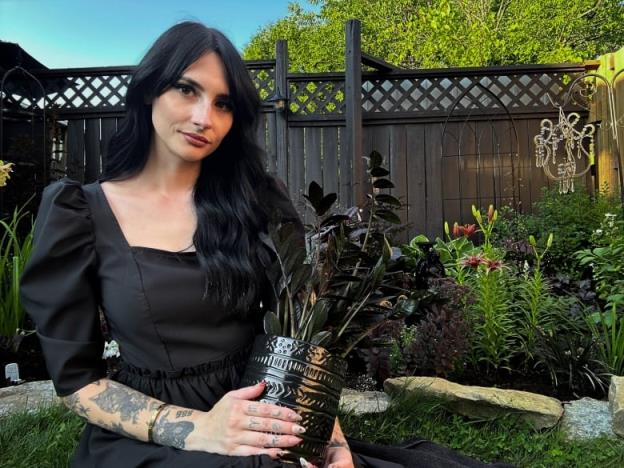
{"x": 299, "y": 429}
{"x": 296, "y": 417}
{"x": 283, "y": 453}
{"x": 304, "y": 463}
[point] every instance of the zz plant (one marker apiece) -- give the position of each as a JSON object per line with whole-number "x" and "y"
{"x": 335, "y": 294}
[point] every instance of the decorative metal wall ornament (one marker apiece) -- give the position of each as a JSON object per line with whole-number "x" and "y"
{"x": 577, "y": 144}
{"x": 580, "y": 93}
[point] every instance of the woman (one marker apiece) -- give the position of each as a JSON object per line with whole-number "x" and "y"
{"x": 167, "y": 245}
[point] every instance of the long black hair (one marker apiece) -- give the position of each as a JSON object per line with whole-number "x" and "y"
{"x": 228, "y": 191}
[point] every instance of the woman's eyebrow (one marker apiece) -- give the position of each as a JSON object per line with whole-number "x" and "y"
{"x": 195, "y": 84}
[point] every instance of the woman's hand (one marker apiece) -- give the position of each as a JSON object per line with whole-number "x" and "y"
{"x": 240, "y": 427}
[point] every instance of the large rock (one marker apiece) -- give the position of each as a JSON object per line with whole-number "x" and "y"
{"x": 586, "y": 419}
{"x": 28, "y": 396}
{"x": 616, "y": 404}
{"x": 363, "y": 402}
{"x": 478, "y": 402}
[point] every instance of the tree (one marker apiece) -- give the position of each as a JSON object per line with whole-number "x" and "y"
{"x": 446, "y": 33}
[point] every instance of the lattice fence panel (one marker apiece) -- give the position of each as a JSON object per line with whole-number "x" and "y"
{"x": 106, "y": 90}
{"x": 317, "y": 97}
{"x": 264, "y": 80}
{"x": 438, "y": 93}
{"x": 87, "y": 92}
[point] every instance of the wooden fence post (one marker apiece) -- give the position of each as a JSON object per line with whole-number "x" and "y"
{"x": 353, "y": 109}
{"x": 281, "y": 114}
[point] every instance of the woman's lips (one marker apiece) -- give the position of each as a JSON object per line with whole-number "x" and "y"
{"x": 195, "y": 139}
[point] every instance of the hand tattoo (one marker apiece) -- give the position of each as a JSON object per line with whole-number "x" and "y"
{"x": 335, "y": 443}
{"x": 183, "y": 413}
{"x": 171, "y": 433}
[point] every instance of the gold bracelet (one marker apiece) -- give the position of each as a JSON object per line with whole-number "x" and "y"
{"x": 150, "y": 426}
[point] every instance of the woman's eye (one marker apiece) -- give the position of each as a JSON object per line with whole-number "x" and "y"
{"x": 224, "y": 104}
{"x": 184, "y": 89}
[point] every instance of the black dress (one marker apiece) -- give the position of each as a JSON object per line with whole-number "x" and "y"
{"x": 176, "y": 345}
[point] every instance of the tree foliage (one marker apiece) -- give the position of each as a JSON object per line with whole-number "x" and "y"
{"x": 446, "y": 33}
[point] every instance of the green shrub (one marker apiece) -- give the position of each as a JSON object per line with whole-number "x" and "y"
{"x": 572, "y": 218}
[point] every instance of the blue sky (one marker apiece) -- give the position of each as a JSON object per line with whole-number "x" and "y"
{"x": 86, "y": 33}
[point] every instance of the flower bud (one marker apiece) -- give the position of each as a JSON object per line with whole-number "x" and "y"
{"x": 456, "y": 230}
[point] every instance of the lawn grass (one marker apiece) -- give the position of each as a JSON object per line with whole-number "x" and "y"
{"x": 47, "y": 437}
{"x": 505, "y": 439}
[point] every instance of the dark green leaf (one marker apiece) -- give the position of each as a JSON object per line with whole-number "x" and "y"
{"x": 335, "y": 219}
{"x": 321, "y": 338}
{"x": 301, "y": 276}
{"x": 374, "y": 159}
{"x": 388, "y": 215}
{"x": 383, "y": 183}
{"x": 407, "y": 307}
{"x": 315, "y": 194}
{"x": 271, "y": 324}
{"x": 379, "y": 172}
{"x": 319, "y": 317}
{"x": 325, "y": 204}
{"x": 389, "y": 199}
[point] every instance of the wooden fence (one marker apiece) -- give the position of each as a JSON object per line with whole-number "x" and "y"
{"x": 451, "y": 137}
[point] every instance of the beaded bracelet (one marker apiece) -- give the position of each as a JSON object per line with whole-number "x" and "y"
{"x": 150, "y": 426}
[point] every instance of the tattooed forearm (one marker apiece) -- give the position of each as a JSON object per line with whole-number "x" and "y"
{"x": 118, "y": 399}
{"x": 73, "y": 403}
{"x": 183, "y": 413}
{"x": 170, "y": 433}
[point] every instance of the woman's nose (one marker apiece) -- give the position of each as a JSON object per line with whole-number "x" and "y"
{"x": 202, "y": 114}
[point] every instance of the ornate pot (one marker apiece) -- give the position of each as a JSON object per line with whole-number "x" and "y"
{"x": 305, "y": 378}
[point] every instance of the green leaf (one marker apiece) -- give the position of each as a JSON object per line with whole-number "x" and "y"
{"x": 383, "y": 184}
{"x": 419, "y": 239}
{"x": 271, "y": 324}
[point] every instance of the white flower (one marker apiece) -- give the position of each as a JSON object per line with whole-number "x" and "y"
{"x": 111, "y": 349}
{"x": 598, "y": 232}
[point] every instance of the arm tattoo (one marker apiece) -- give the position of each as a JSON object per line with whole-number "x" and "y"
{"x": 123, "y": 401}
{"x": 73, "y": 403}
{"x": 183, "y": 413}
{"x": 171, "y": 433}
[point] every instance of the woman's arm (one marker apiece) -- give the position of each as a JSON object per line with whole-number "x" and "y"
{"x": 234, "y": 426}
{"x": 338, "y": 452}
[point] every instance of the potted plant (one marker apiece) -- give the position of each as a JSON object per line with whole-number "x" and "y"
{"x": 330, "y": 296}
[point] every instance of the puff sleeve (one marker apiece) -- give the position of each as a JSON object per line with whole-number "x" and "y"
{"x": 59, "y": 288}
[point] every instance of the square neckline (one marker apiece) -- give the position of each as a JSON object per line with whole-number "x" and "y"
{"x": 111, "y": 214}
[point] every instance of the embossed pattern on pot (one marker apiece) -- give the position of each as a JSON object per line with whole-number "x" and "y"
{"x": 304, "y": 377}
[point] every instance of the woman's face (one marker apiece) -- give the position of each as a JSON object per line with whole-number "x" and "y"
{"x": 192, "y": 117}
